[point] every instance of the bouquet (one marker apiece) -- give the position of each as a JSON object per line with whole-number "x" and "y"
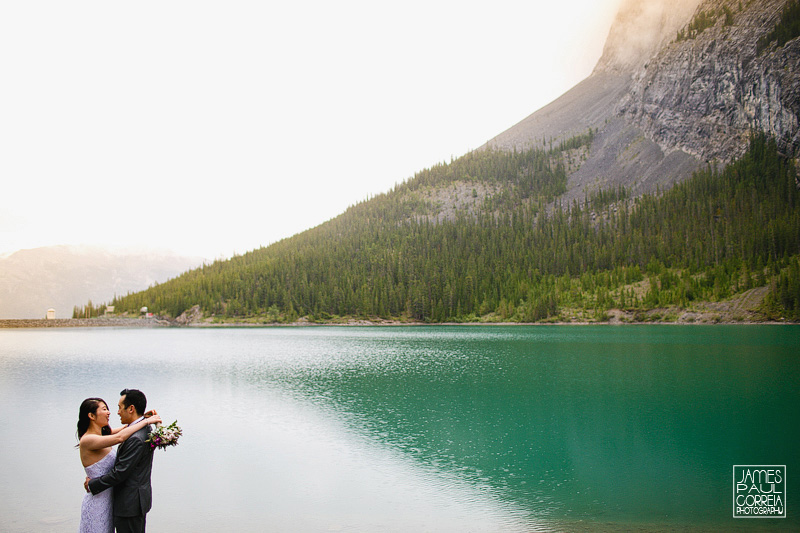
{"x": 165, "y": 436}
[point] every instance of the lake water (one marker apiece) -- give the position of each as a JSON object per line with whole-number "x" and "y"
{"x": 414, "y": 428}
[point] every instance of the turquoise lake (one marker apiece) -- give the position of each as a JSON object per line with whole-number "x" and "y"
{"x": 446, "y": 428}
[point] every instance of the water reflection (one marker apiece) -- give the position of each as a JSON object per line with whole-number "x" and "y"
{"x": 575, "y": 423}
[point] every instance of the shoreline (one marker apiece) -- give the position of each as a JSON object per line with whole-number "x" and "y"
{"x": 19, "y": 323}
{"x": 746, "y": 308}
{"x": 157, "y": 322}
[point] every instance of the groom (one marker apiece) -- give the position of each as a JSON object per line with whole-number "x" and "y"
{"x": 130, "y": 475}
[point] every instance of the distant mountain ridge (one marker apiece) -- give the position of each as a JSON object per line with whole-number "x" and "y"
{"x": 61, "y": 277}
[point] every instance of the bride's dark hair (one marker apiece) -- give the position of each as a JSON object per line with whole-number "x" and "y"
{"x": 90, "y": 405}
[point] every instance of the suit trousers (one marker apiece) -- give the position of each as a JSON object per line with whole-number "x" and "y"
{"x": 129, "y": 524}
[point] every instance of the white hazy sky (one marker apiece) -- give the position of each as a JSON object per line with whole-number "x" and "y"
{"x": 211, "y": 128}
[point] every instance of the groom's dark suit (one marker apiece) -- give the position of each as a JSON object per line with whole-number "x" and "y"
{"x": 130, "y": 478}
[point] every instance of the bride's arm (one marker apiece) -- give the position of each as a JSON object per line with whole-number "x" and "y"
{"x": 147, "y": 416}
{"x": 98, "y": 442}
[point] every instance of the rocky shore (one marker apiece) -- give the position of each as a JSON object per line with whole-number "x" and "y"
{"x": 83, "y": 323}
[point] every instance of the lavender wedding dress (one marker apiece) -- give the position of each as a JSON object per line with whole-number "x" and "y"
{"x": 97, "y": 510}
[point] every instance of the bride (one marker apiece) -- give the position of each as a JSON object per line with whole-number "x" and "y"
{"x": 96, "y": 439}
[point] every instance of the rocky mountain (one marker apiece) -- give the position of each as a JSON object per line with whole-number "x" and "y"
{"x": 495, "y": 236}
{"x": 680, "y": 83}
{"x": 640, "y": 29}
{"x": 704, "y": 92}
{"x": 61, "y": 277}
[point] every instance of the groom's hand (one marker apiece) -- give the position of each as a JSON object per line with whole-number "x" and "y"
{"x": 86, "y": 484}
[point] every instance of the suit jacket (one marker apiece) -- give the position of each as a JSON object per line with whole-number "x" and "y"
{"x": 130, "y": 476}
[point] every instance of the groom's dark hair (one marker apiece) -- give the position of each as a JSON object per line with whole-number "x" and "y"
{"x": 136, "y": 398}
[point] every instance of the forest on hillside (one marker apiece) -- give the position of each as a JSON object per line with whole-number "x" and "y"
{"x": 517, "y": 254}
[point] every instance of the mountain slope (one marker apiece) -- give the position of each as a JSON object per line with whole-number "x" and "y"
{"x": 663, "y": 106}
{"x": 622, "y": 153}
{"x": 554, "y": 218}
{"x": 508, "y": 257}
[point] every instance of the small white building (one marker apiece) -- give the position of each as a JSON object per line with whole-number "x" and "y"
{"x": 51, "y": 314}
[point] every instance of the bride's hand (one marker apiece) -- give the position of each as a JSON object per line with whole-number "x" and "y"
{"x": 151, "y": 412}
{"x": 155, "y": 419}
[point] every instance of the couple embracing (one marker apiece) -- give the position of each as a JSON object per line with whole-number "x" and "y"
{"x": 117, "y": 484}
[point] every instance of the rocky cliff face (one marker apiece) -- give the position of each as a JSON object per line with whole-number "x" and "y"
{"x": 704, "y": 93}
{"x": 621, "y": 154}
{"x": 640, "y": 29}
{"x": 662, "y": 105}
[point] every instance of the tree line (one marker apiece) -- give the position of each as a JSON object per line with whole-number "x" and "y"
{"x": 519, "y": 255}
